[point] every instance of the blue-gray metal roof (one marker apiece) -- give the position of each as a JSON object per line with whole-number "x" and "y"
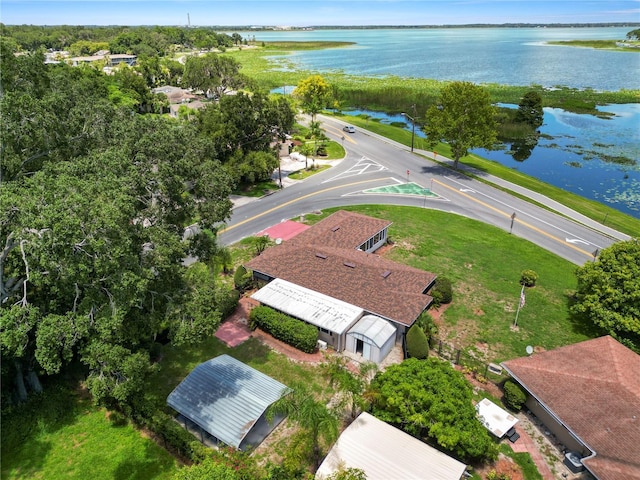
{"x": 225, "y": 397}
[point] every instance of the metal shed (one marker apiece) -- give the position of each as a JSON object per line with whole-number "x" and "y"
{"x": 227, "y": 400}
{"x": 372, "y": 337}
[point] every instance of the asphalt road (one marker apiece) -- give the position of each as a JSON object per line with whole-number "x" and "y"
{"x": 373, "y": 161}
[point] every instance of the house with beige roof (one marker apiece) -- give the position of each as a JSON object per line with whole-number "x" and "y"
{"x": 385, "y": 452}
{"x": 334, "y": 259}
{"x": 588, "y": 396}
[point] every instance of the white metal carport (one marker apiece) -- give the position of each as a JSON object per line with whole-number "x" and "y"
{"x": 385, "y": 452}
{"x": 333, "y": 317}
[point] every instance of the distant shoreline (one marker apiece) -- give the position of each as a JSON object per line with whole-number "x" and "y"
{"x": 263, "y": 28}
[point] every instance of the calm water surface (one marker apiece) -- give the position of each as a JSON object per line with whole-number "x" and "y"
{"x": 511, "y": 56}
{"x": 571, "y": 150}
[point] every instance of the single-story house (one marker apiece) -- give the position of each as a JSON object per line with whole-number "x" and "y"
{"x": 335, "y": 258}
{"x": 112, "y": 59}
{"x": 385, "y": 452}
{"x": 225, "y": 400}
{"x": 588, "y": 396}
{"x": 176, "y": 94}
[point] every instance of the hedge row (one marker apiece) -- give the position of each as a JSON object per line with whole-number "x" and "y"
{"x": 174, "y": 436}
{"x": 283, "y": 327}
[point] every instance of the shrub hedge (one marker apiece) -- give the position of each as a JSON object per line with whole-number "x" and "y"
{"x": 417, "y": 343}
{"x": 514, "y": 395}
{"x": 283, "y": 327}
{"x": 442, "y": 292}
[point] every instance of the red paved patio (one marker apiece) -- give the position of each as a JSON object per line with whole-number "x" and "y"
{"x": 284, "y": 230}
{"x": 526, "y": 444}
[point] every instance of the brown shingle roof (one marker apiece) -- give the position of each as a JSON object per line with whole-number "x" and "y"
{"x": 373, "y": 283}
{"x": 342, "y": 229}
{"x": 593, "y": 387}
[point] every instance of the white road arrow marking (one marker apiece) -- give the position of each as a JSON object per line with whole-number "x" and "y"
{"x": 576, "y": 240}
{"x": 467, "y": 190}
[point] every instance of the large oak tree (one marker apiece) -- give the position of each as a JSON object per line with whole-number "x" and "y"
{"x": 463, "y": 117}
{"x": 93, "y": 205}
{"x": 429, "y": 399}
{"x": 608, "y": 293}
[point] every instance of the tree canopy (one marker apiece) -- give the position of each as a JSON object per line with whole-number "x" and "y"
{"x": 94, "y": 201}
{"x": 313, "y": 93}
{"x": 463, "y": 117}
{"x": 530, "y": 110}
{"x": 608, "y": 293}
{"x": 212, "y": 73}
{"x": 429, "y": 399}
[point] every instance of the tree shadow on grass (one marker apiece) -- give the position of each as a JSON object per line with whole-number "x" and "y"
{"x": 252, "y": 350}
{"x": 24, "y": 426}
{"x": 580, "y": 324}
{"x": 144, "y": 465}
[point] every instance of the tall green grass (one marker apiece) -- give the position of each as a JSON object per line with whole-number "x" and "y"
{"x": 60, "y": 435}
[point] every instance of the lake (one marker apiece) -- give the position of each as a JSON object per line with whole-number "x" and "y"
{"x": 573, "y": 148}
{"x": 509, "y": 56}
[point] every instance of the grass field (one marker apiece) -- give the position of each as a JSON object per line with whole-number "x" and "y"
{"x": 61, "y": 435}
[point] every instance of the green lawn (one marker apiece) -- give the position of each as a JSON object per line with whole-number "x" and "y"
{"x": 62, "y": 436}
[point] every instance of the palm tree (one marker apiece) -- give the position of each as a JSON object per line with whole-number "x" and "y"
{"x": 351, "y": 386}
{"x": 321, "y": 423}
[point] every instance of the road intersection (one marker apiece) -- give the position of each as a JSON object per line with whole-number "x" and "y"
{"x": 373, "y": 162}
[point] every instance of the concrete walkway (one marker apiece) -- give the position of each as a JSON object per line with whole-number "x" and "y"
{"x": 526, "y": 444}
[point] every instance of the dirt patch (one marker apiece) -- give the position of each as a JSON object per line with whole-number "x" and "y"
{"x": 83, "y": 392}
{"x": 502, "y": 466}
{"x": 460, "y": 335}
{"x": 383, "y": 250}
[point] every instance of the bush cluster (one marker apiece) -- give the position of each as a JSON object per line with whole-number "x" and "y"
{"x": 442, "y": 291}
{"x": 528, "y": 278}
{"x": 514, "y": 395}
{"x": 174, "y": 436}
{"x": 242, "y": 278}
{"x": 283, "y": 327}
{"x": 417, "y": 343}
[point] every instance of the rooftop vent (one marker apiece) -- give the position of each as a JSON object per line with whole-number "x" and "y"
{"x": 321, "y": 255}
{"x": 335, "y": 229}
{"x": 349, "y": 264}
{"x": 386, "y": 273}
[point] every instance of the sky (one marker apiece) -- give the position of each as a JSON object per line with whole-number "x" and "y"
{"x": 300, "y": 13}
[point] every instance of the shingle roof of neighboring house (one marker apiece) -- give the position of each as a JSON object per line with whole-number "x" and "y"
{"x": 225, "y": 397}
{"x": 342, "y": 229}
{"x": 325, "y": 259}
{"x": 384, "y": 452}
{"x": 176, "y": 94}
{"x": 593, "y": 387}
